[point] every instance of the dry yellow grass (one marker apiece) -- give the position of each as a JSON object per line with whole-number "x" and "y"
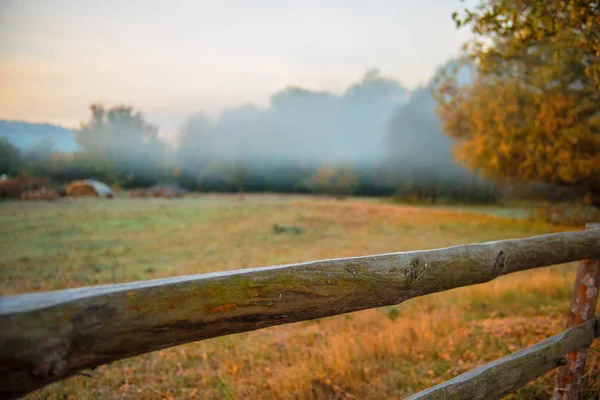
{"x": 373, "y": 354}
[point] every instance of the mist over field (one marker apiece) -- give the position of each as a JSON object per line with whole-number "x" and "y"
{"x": 375, "y": 128}
{"x": 304, "y": 127}
{"x": 376, "y": 137}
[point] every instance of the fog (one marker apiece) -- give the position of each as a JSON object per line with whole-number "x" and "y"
{"x": 376, "y": 133}
{"x": 373, "y": 122}
{"x": 300, "y": 127}
{"x": 376, "y": 137}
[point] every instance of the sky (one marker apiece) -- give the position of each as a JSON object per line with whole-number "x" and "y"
{"x": 172, "y": 59}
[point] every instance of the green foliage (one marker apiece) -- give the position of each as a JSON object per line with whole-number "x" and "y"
{"x": 11, "y": 159}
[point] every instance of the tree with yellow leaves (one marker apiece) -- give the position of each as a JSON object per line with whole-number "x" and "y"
{"x": 532, "y": 112}
{"x": 340, "y": 181}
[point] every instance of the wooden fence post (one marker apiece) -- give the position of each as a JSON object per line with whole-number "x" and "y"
{"x": 583, "y": 307}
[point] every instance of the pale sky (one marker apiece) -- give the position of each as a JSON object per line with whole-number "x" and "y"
{"x": 171, "y": 59}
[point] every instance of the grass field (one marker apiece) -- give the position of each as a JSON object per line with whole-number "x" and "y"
{"x": 373, "y": 354}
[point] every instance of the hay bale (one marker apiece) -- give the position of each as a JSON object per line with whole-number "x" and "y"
{"x": 102, "y": 189}
{"x": 88, "y": 188}
{"x": 80, "y": 189}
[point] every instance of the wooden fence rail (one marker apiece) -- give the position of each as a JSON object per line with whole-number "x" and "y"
{"x": 505, "y": 375}
{"x": 45, "y": 337}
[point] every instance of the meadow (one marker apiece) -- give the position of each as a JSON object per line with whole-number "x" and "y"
{"x": 382, "y": 353}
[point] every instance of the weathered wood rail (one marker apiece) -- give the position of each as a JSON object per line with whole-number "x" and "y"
{"x": 45, "y": 337}
{"x": 505, "y": 375}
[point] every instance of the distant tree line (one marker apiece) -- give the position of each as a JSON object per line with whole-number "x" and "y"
{"x": 375, "y": 139}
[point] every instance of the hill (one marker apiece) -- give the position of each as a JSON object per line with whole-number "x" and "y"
{"x": 27, "y": 135}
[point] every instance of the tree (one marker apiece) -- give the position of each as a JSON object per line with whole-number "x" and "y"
{"x": 559, "y": 38}
{"x": 339, "y": 181}
{"x": 11, "y": 159}
{"x": 238, "y": 175}
{"x": 196, "y": 144}
{"x": 127, "y": 143}
{"x": 532, "y": 114}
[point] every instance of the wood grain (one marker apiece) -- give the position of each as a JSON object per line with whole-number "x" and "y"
{"x": 49, "y": 336}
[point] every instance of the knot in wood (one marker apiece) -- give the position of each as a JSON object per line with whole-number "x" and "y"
{"x": 499, "y": 263}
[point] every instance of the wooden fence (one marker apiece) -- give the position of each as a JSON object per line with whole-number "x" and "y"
{"x": 46, "y": 337}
